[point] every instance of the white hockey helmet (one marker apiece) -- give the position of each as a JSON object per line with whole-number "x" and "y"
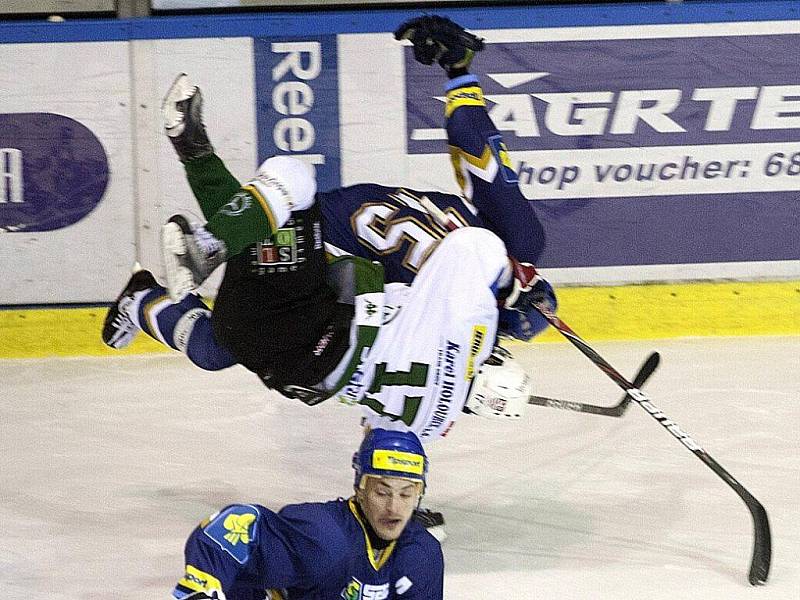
{"x": 287, "y": 184}
{"x": 501, "y": 388}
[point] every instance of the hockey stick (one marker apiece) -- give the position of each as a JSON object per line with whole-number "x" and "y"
{"x": 617, "y": 410}
{"x": 762, "y": 545}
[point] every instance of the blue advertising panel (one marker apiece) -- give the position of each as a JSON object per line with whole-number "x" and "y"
{"x": 664, "y": 150}
{"x": 297, "y": 99}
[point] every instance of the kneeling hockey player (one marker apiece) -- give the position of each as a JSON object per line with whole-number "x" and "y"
{"x": 364, "y": 547}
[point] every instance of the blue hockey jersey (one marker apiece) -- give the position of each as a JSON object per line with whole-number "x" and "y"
{"x": 389, "y": 225}
{"x": 312, "y": 551}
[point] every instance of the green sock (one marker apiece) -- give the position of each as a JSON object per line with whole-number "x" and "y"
{"x": 240, "y": 223}
{"x": 211, "y": 182}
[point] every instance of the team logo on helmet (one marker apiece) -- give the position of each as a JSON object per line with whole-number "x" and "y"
{"x": 385, "y": 453}
{"x": 402, "y": 462}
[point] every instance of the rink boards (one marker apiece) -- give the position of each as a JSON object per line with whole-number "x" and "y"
{"x": 659, "y": 149}
{"x": 648, "y": 311}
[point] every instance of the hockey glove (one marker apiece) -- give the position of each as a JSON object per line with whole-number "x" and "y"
{"x": 439, "y": 39}
{"x": 518, "y": 317}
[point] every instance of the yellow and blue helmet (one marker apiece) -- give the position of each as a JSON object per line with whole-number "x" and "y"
{"x": 385, "y": 453}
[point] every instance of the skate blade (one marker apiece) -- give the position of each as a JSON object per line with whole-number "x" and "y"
{"x": 122, "y": 338}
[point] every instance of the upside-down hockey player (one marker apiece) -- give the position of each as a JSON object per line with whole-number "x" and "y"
{"x": 313, "y": 331}
{"x": 364, "y": 547}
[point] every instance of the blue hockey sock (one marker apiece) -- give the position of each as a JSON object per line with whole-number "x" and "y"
{"x": 158, "y": 315}
{"x": 185, "y": 326}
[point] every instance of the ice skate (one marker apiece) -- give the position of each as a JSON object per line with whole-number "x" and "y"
{"x": 190, "y": 253}
{"x": 119, "y": 330}
{"x": 182, "y": 112}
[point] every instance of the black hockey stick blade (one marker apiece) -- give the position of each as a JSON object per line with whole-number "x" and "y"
{"x": 762, "y": 545}
{"x": 617, "y": 410}
{"x": 762, "y": 551}
{"x": 647, "y": 369}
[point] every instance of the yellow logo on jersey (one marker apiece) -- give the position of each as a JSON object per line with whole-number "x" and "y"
{"x": 199, "y": 581}
{"x": 355, "y": 590}
{"x": 502, "y": 153}
{"x": 478, "y": 335}
{"x": 238, "y": 528}
{"x": 352, "y": 591}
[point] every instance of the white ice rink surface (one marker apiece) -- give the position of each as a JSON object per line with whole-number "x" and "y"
{"x": 107, "y": 465}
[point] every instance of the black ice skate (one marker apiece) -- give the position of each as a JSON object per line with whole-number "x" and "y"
{"x": 118, "y": 328}
{"x": 432, "y": 521}
{"x": 190, "y": 253}
{"x": 182, "y": 112}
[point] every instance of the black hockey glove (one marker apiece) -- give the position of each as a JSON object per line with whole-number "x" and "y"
{"x": 440, "y": 39}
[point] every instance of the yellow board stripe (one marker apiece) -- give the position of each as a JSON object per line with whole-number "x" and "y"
{"x": 61, "y": 332}
{"x": 649, "y": 311}
{"x": 705, "y": 309}
{"x": 273, "y": 221}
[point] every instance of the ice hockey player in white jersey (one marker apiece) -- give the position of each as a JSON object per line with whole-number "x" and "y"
{"x": 282, "y": 314}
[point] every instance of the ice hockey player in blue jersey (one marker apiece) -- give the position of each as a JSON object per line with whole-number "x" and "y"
{"x": 275, "y": 284}
{"x": 364, "y": 547}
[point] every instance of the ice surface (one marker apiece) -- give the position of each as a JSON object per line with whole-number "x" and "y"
{"x": 107, "y": 465}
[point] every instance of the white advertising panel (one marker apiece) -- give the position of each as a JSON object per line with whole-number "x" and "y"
{"x": 651, "y": 152}
{"x": 68, "y": 194}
